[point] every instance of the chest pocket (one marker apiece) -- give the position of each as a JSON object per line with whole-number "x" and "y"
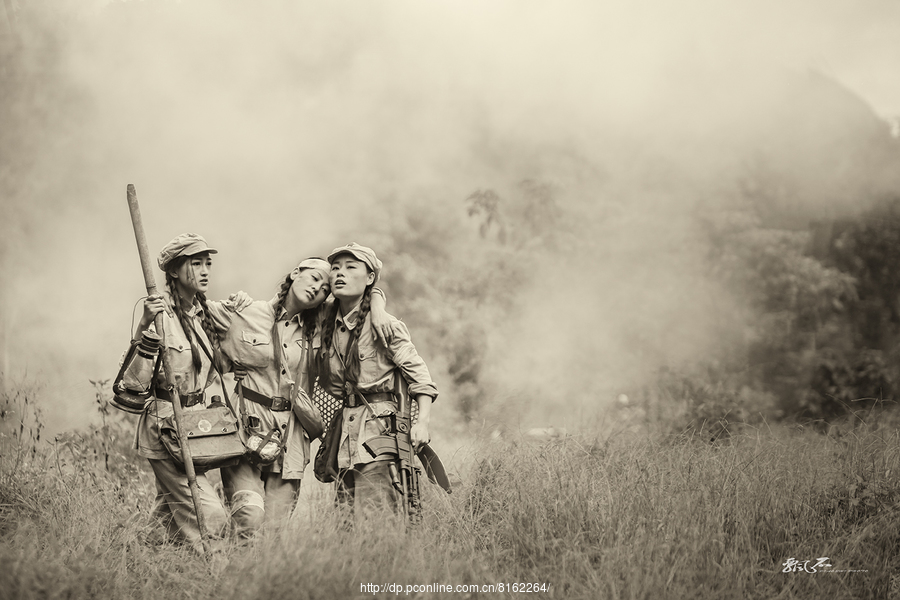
{"x": 181, "y": 361}
{"x": 248, "y": 347}
{"x": 370, "y": 364}
{"x": 366, "y": 346}
{"x": 177, "y": 343}
{"x": 255, "y": 338}
{"x": 317, "y": 347}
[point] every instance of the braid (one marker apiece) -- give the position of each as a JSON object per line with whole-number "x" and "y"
{"x": 183, "y": 319}
{"x": 282, "y": 293}
{"x": 308, "y": 319}
{"x": 353, "y": 366}
{"x": 210, "y": 329}
{"x": 327, "y": 338}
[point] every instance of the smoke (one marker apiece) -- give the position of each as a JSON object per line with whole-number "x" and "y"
{"x": 277, "y": 129}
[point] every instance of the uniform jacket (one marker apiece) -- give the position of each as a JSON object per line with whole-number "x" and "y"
{"x": 378, "y": 366}
{"x": 187, "y": 378}
{"x": 251, "y": 338}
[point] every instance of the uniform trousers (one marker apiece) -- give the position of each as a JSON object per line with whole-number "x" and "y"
{"x": 257, "y": 497}
{"x": 174, "y": 506}
{"x": 368, "y": 489}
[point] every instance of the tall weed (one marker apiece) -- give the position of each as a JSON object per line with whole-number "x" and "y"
{"x": 617, "y": 515}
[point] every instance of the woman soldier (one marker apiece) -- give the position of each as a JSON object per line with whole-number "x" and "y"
{"x": 188, "y": 322}
{"x": 362, "y": 373}
{"x": 266, "y": 342}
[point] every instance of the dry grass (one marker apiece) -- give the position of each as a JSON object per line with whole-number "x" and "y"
{"x": 593, "y": 516}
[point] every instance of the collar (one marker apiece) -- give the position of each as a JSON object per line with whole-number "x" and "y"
{"x": 280, "y": 313}
{"x": 282, "y": 316}
{"x": 194, "y": 311}
{"x": 350, "y": 319}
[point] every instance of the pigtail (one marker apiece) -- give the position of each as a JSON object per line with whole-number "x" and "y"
{"x": 309, "y": 319}
{"x": 210, "y": 329}
{"x": 282, "y": 293}
{"x": 327, "y": 339}
{"x": 352, "y": 359}
{"x": 183, "y": 319}
{"x": 279, "y": 304}
{"x": 352, "y": 368}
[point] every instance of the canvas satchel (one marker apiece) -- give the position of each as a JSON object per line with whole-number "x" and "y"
{"x": 212, "y": 436}
{"x": 213, "y": 433}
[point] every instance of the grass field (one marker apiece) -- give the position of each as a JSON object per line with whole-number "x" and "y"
{"x": 607, "y": 513}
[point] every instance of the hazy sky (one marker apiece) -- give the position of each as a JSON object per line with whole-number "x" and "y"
{"x": 275, "y": 128}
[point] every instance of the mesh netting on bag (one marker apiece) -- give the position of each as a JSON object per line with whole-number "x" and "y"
{"x": 328, "y": 404}
{"x": 325, "y": 402}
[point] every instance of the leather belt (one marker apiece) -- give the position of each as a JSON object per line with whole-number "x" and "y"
{"x": 352, "y": 401}
{"x": 187, "y": 400}
{"x": 275, "y": 404}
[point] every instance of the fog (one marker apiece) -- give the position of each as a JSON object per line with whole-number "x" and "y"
{"x": 278, "y": 130}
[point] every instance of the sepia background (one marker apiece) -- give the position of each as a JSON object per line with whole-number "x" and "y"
{"x": 564, "y": 193}
{"x": 648, "y": 250}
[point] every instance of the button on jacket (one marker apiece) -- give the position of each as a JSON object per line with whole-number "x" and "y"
{"x": 377, "y": 368}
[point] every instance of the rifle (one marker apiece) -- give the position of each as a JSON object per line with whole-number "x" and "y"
{"x": 150, "y": 282}
{"x": 396, "y": 443}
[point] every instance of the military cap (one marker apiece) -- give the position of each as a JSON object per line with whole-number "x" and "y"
{"x": 360, "y": 253}
{"x": 186, "y": 244}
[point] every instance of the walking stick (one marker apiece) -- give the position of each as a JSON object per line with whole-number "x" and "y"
{"x": 150, "y": 281}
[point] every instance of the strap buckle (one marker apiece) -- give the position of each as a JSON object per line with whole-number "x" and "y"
{"x": 279, "y": 404}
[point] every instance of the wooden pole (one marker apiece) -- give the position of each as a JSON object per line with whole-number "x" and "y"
{"x": 150, "y": 281}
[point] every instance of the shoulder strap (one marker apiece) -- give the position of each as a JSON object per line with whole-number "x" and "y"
{"x": 215, "y": 365}
{"x": 239, "y": 388}
{"x": 312, "y": 369}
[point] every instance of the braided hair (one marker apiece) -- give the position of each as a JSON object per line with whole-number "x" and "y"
{"x": 308, "y": 317}
{"x": 210, "y": 330}
{"x": 181, "y": 313}
{"x": 283, "y": 288}
{"x": 351, "y": 358}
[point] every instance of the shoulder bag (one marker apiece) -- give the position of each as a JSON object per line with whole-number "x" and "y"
{"x": 212, "y": 433}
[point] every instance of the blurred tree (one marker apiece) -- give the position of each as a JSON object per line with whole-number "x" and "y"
{"x": 455, "y": 277}
{"x": 794, "y": 304}
{"x": 822, "y": 319}
{"x": 864, "y": 368}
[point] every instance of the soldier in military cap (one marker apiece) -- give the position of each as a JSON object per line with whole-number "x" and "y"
{"x": 188, "y": 322}
{"x": 353, "y": 366}
{"x": 267, "y": 342}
